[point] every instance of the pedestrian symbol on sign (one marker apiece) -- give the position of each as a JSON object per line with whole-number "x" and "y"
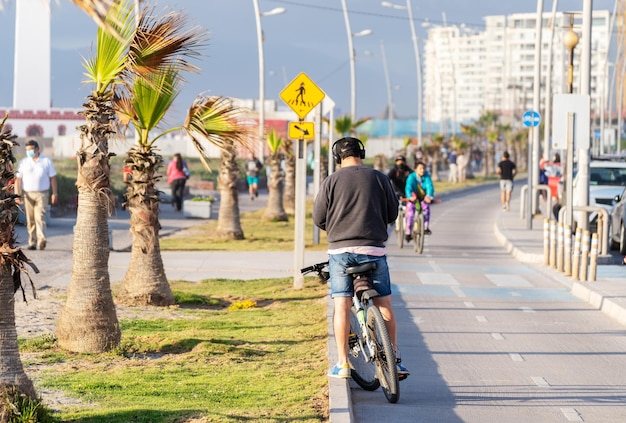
{"x": 302, "y": 95}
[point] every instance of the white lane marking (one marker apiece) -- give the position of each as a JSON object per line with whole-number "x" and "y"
{"x": 571, "y": 414}
{"x": 508, "y": 280}
{"x": 527, "y": 309}
{"x": 497, "y": 336}
{"x": 418, "y": 320}
{"x": 481, "y": 319}
{"x": 539, "y": 381}
{"x": 433, "y": 264}
{"x": 458, "y": 291}
{"x": 469, "y": 304}
{"x": 437, "y": 279}
{"x": 516, "y": 357}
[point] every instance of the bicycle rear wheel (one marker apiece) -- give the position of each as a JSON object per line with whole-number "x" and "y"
{"x": 363, "y": 371}
{"x": 385, "y": 361}
{"x": 400, "y": 228}
{"x": 418, "y": 233}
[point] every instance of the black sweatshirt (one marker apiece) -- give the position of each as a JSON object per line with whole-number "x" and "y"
{"x": 354, "y": 206}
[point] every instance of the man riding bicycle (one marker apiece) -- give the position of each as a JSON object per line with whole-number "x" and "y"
{"x": 419, "y": 193}
{"x": 354, "y": 206}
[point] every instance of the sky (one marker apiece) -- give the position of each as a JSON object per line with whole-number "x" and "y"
{"x": 309, "y": 37}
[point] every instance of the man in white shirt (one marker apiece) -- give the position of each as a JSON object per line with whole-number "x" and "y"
{"x": 35, "y": 176}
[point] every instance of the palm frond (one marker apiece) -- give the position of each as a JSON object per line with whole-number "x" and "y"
{"x": 110, "y": 59}
{"x": 164, "y": 41}
{"x": 152, "y": 98}
{"x": 214, "y": 119}
{"x": 274, "y": 141}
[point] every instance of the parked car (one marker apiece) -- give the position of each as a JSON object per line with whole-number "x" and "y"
{"x": 617, "y": 234}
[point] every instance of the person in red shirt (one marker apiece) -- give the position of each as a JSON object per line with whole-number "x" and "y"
{"x": 177, "y": 175}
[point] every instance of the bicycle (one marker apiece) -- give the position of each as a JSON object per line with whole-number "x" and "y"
{"x": 418, "y": 232}
{"x": 370, "y": 351}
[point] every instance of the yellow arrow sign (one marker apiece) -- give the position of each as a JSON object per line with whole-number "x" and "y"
{"x": 301, "y": 130}
{"x": 302, "y": 95}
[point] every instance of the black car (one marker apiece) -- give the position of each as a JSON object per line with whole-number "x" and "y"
{"x": 617, "y": 235}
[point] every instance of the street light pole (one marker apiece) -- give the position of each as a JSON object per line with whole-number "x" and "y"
{"x": 259, "y": 33}
{"x": 418, "y": 63}
{"x": 352, "y": 56}
{"x": 389, "y": 96}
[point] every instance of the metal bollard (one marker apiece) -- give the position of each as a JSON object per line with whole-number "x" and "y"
{"x": 546, "y": 241}
{"x": 567, "y": 250}
{"x": 584, "y": 258}
{"x": 559, "y": 247}
{"x": 552, "y": 244}
{"x": 593, "y": 259}
{"x": 576, "y": 254}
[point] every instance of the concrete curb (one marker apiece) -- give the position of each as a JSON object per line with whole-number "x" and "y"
{"x": 339, "y": 397}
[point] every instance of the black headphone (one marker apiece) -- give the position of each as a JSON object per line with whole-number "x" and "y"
{"x": 349, "y": 144}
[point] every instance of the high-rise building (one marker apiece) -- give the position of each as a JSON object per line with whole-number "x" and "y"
{"x": 468, "y": 72}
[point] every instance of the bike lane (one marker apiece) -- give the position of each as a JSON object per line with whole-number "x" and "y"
{"x": 488, "y": 338}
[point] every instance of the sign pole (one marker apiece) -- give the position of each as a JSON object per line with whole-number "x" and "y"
{"x": 529, "y": 202}
{"x": 300, "y": 215}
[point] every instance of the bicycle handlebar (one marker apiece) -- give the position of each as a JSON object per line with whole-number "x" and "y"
{"x": 317, "y": 268}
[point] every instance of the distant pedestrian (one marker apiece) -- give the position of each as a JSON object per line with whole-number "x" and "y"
{"x": 35, "y": 176}
{"x": 398, "y": 175}
{"x": 461, "y": 162}
{"x": 177, "y": 175}
{"x": 453, "y": 168}
{"x": 253, "y": 167}
{"x": 507, "y": 171}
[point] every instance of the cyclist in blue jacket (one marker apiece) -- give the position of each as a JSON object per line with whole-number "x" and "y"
{"x": 419, "y": 192}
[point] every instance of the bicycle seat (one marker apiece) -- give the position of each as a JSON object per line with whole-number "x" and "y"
{"x": 361, "y": 268}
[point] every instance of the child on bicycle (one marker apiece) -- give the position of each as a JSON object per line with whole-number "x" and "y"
{"x": 419, "y": 193}
{"x": 354, "y": 206}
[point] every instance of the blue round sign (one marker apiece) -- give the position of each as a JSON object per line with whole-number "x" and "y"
{"x": 531, "y": 118}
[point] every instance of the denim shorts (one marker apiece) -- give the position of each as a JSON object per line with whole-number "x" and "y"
{"x": 341, "y": 284}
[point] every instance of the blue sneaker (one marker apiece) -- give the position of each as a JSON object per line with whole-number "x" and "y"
{"x": 341, "y": 371}
{"x": 403, "y": 372}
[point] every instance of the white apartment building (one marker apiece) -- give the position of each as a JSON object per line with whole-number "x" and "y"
{"x": 468, "y": 72}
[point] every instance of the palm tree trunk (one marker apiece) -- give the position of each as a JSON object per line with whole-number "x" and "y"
{"x": 88, "y": 321}
{"x": 289, "y": 194}
{"x": 228, "y": 220}
{"x": 12, "y": 375}
{"x": 274, "y": 210}
{"x": 145, "y": 283}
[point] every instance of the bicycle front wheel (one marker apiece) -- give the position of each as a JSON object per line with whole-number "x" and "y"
{"x": 418, "y": 233}
{"x": 400, "y": 228}
{"x": 362, "y": 369}
{"x": 385, "y": 360}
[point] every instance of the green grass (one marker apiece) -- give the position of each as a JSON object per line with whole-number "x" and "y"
{"x": 265, "y": 363}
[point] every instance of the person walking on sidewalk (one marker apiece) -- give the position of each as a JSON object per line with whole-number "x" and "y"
{"x": 507, "y": 171}
{"x": 35, "y": 176}
{"x": 177, "y": 175}
{"x": 419, "y": 192}
{"x": 354, "y": 206}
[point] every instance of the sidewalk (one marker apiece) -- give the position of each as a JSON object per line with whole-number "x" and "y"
{"x": 607, "y": 292}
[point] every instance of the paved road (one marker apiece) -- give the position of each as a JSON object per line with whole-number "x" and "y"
{"x": 490, "y": 339}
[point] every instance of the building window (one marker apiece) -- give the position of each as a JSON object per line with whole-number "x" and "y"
{"x": 61, "y": 130}
{"x": 34, "y": 131}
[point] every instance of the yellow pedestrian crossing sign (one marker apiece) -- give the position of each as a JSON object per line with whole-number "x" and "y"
{"x": 301, "y": 130}
{"x": 302, "y": 95}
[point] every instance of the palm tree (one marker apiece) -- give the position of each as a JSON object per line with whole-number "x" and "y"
{"x": 88, "y": 320}
{"x": 345, "y": 126}
{"x": 142, "y": 103}
{"x": 275, "y": 210}
{"x": 229, "y": 220}
{"x": 13, "y": 379}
